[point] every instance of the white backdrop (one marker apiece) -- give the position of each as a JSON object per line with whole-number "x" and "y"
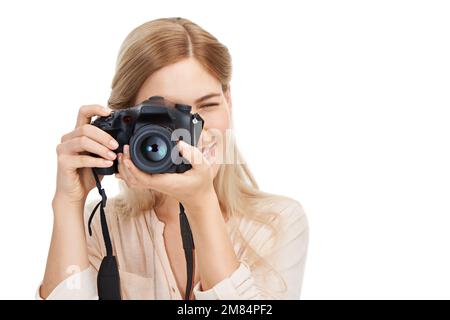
{"x": 342, "y": 105}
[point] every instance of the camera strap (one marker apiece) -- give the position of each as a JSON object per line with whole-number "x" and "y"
{"x": 108, "y": 280}
{"x": 189, "y": 251}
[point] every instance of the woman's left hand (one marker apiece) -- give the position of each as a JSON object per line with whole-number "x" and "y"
{"x": 193, "y": 188}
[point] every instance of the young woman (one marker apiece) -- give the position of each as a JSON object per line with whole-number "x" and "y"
{"x": 248, "y": 244}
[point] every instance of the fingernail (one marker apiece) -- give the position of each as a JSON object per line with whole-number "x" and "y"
{"x": 106, "y": 109}
{"x": 108, "y": 163}
{"x": 111, "y": 155}
{"x": 113, "y": 143}
{"x": 125, "y": 149}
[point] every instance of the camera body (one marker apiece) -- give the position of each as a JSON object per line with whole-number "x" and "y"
{"x": 152, "y": 129}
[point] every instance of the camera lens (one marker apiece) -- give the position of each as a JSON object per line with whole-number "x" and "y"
{"x": 151, "y": 148}
{"x": 154, "y": 148}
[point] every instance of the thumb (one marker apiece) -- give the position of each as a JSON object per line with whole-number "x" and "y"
{"x": 191, "y": 154}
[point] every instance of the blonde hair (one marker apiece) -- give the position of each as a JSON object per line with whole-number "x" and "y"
{"x": 162, "y": 42}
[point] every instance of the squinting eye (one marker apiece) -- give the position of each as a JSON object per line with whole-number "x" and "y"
{"x": 209, "y": 105}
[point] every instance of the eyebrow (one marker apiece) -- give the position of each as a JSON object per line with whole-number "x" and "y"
{"x": 206, "y": 97}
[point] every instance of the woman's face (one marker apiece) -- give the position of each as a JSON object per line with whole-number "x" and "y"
{"x": 188, "y": 82}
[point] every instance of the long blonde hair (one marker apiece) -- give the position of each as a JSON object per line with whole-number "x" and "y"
{"x": 162, "y": 42}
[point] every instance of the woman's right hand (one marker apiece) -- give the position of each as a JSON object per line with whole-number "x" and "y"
{"x": 74, "y": 175}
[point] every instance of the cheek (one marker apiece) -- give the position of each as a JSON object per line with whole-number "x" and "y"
{"x": 216, "y": 124}
{"x": 217, "y": 121}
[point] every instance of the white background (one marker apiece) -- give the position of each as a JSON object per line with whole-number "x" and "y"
{"x": 342, "y": 105}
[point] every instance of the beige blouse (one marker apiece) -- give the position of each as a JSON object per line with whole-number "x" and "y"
{"x": 145, "y": 271}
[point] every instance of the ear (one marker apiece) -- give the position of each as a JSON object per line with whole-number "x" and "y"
{"x": 227, "y": 94}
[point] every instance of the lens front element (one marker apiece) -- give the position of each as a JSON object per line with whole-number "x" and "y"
{"x": 154, "y": 148}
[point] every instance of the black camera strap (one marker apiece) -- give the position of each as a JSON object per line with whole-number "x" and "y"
{"x": 189, "y": 251}
{"x": 108, "y": 280}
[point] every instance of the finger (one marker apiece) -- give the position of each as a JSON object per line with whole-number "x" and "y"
{"x": 154, "y": 181}
{"x": 94, "y": 133}
{"x": 83, "y": 161}
{"x": 127, "y": 159}
{"x": 120, "y": 166}
{"x": 87, "y": 112}
{"x": 125, "y": 173}
{"x": 127, "y": 170}
{"x": 157, "y": 181}
{"x": 82, "y": 144}
{"x": 126, "y": 151}
{"x": 191, "y": 154}
{"x": 130, "y": 170}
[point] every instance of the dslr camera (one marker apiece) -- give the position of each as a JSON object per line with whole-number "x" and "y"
{"x": 152, "y": 129}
